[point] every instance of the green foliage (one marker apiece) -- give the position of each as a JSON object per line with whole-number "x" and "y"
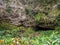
{"x": 8, "y": 9}
{"x": 58, "y": 6}
{"x": 57, "y": 28}
{"x": 53, "y": 39}
{"x": 38, "y": 17}
{"x": 28, "y": 11}
{"x": 43, "y": 38}
{"x": 7, "y": 1}
{"x": 58, "y": 17}
{"x": 8, "y": 26}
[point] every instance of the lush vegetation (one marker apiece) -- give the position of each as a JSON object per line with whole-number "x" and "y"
{"x": 43, "y": 14}
{"x": 53, "y": 39}
{"x": 28, "y": 36}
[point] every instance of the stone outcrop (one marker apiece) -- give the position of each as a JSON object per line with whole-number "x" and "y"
{"x": 14, "y": 12}
{"x": 50, "y": 21}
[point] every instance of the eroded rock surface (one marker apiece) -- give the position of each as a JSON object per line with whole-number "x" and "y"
{"x": 14, "y": 12}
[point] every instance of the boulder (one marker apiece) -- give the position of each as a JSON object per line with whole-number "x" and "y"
{"x": 14, "y": 13}
{"x": 50, "y": 20}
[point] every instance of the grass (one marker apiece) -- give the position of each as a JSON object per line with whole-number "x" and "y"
{"x": 12, "y": 35}
{"x": 29, "y": 37}
{"x": 53, "y": 39}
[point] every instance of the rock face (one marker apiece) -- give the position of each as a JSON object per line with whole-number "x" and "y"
{"x": 8, "y": 12}
{"x": 14, "y": 12}
{"x": 50, "y": 21}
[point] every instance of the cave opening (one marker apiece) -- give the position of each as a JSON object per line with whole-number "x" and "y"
{"x": 37, "y": 28}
